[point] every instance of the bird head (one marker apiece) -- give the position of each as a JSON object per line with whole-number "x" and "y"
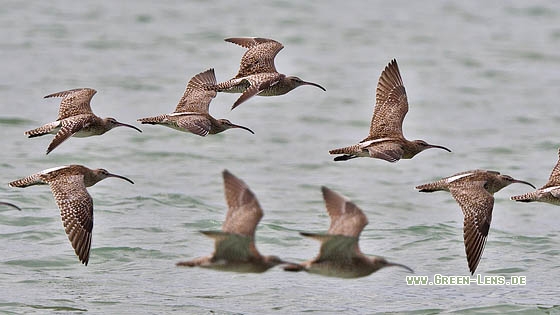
{"x": 112, "y": 123}
{"x": 100, "y": 174}
{"x": 505, "y": 180}
{"x": 226, "y": 124}
{"x": 421, "y": 145}
{"x": 298, "y": 82}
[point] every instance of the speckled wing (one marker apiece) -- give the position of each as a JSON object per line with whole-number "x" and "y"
{"x": 74, "y": 102}
{"x": 197, "y": 95}
{"x": 477, "y": 205}
{"x": 230, "y": 247}
{"x": 76, "y": 210}
{"x": 554, "y": 179}
{"x": 197, "y": 124}
{"x": 68, "y": 127}
{"x": 258, "y": 83}
{"x": 259, "y": 58}
{"x": 391, "y": 104}
{"x": 388, "y": 151}
{"x": 244, "y": 211}
{"x": 346, "y": 218}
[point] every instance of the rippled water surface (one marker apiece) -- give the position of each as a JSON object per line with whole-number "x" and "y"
{"x": 482, "y": 78}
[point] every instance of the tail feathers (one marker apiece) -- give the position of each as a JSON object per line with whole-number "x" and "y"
{"x": 431, "y": 187}
{"x": 200, "y": 261}
{"x": 294, "y": 267}
{"x": 34, "y": 179}
{"x": 153, "y": 120}
{"x": 353, "y": 149}
{"x": 348, "y": 153}
{"x": 528, "y": 197}
{"x": 186, "y": 264}
{"x": 43, "y": 130}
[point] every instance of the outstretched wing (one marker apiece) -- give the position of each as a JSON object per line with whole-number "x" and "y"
{"x": 258, "y": 83}
{"x": 554, "y": 179}
{"x": 259, "y": 57}
{"x": 195, "y": 123}
{"x": 68, "y": 127}
{"x": 244, "y": 211}
{"x": 388, "y": 151}
{"x": 391, "y": 104}
{"x": 477, "y": 205}
{"x": 74, "y": 102}
{"x": 346, "y": 218}
{"x": 76, "y": 210}
{"x": 198, "y": 95}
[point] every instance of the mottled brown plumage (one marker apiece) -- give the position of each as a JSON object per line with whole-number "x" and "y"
{"x": 340, "y": 255}
{"x": 259, "y": 57}
{"x": 68, "y": 185}
{"x": 257, "y": 74}
{"x": 474, "y": 192}
{"x": 191, "y": 114}
{"x": 75, "y": 118}
{"x": 549, "y": 193}
{"x": 235, "y": 244}
{"x": 386, "y": 140}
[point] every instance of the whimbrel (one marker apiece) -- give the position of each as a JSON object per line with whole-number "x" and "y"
{"x": 68, "y": 185}
{"x": 75, "y": 118}
{"x": 10, "y": 205}
{"x": 191, "y": 114}
{"x": 550, "y": 192}
{"x": 386, "y": 140}
{"x": 340, "y": 255}
{"x": 257, "y": 74}
{"x": 474, "y": 192}
{"x": 235, "y": 244}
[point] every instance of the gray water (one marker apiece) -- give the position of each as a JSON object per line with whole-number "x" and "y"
{"x": 482, "y": 78}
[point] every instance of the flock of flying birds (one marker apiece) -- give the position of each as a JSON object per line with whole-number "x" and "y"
{"x": 235, "y": 250}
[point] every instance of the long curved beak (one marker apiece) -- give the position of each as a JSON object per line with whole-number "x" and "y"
{"x": 313, "y": 84}
{"x": 524, "y": 182}
{"x": 439, "y": 147}
{"x": 390, "y": 264}
{"x": 120, "y": 124}
{"x": 242, "y": 127}
{"x": 121, "y": 177}
{"x": 10, "y": 205}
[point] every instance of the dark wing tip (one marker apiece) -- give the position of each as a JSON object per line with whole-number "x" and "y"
{"x": 227, "y": 174}
{"x": 68, "y": 92}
